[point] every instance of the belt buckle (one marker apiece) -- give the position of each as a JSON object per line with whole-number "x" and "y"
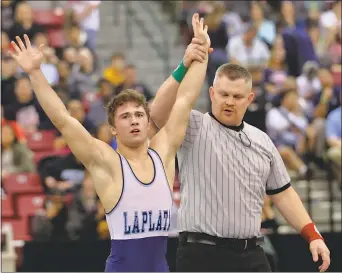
{"x": 246, "y": 243}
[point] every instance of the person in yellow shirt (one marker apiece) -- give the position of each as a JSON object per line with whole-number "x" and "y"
{"x": 115, "y": 72}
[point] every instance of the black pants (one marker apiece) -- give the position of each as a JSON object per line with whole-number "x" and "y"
{"x": 193, "y": 257}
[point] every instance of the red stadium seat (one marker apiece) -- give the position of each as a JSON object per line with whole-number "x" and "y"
{"x": 48, "y": 19}
{"x": 41, "y": 141}
{"x": 22, "y": 183}
{"x": 20, "y": 228}
{"x": 56, "y": 38}
{"x": 7, "y": 206}
{"x": 29, "y": 204}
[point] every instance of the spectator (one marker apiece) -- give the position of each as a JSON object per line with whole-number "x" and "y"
{"x": 18, "y": 132}
{"x": 50, "y": 60}
{"x": 5, "y": 44}
{"x": 240, "y": 8}
{"x": 305, "y": 46}
{"x": 256, "y": 111}
{"x": 276, "y": 71}
{"x": 76, "y": 110}
{"x": 335, "y": 47}
{"x": 247, "y": 49}
{"x": 76, "y": 37}
{"x": 288, "y": 128}
{"x": 7, "y": 14}
{"x": 83, "y": 77}
{"x": 50, "y": 53}
{"x": 266, "y": 28}
{"x": 87, "y": 14}
{"x": 84, "y": 213}
{"x": 8, "y": 73}
{"x": 24, "y": 23}
{"x": 60, "y": 174}
{"x": 15, "y": 156}
{"x": 309, "y": 86}
{"x": 26, "y": 110}
{"x": 115, "y": 72}
{"x": 288, "y": 16}
{"x": 331, "y": 19}
{"x": 188, "y": 8}
{"x": 131, "y": 82}
{"x": 321, "y": 44}
{"x": 97, "y": 112}
{"x": 233, "y": 22}
{"x": 70, "y": 55}
{"x": 217, "y": 31}
{"x": 49, "y": 224}
{"x": 333, "y": 134}
{"x": 104, "y": 134}
{"x": 328, "y": 99}
{"x": 63, "y": 86}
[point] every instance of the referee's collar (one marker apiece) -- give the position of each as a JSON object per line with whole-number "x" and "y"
{"x": 235, "y": 128}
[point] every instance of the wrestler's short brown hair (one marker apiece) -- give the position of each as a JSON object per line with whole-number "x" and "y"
{"x": 128, "y": 95}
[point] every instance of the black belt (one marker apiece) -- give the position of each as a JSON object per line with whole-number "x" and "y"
{"x": 232, "y": 243}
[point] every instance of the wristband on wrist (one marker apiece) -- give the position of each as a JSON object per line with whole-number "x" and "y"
{"x": 309, "y": 232}
{"x": 179, "y": 73}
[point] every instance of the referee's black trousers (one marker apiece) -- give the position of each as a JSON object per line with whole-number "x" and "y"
{"x": 195, "y": 256}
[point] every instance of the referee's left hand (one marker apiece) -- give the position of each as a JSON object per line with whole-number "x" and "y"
{"x": 319, "y": 248}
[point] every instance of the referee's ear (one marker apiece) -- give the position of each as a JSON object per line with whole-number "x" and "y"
{"x": 211, "y": 92}
{"x": 251, "y": 97}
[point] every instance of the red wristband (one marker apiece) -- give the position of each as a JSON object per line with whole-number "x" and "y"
{"x": 310, "y": 232}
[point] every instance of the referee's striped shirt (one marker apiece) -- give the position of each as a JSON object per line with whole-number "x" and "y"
{"x": 224, "y": 177}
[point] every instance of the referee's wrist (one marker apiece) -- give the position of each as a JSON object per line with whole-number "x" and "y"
{"x": 310, "y": 233}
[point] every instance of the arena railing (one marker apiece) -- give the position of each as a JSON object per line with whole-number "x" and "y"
{"x": 162, "y": 48}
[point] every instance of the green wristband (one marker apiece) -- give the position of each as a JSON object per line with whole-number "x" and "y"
{"x": 179, "y": 73}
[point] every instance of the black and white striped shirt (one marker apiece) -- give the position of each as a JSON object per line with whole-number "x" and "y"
{"x": 224, "y": 175}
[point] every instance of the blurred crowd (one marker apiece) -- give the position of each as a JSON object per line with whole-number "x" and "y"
{"x": 292, "y": 49}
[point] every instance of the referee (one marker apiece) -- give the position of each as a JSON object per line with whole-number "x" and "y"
{"x": 226, "y": 167}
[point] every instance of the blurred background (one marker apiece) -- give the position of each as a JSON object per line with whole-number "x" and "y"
{"x": 51, "y": 217}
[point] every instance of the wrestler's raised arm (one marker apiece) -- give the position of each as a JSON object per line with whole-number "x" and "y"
{"x": 171, "y": 136}
{"x": 86, "y": 148}
{"x": 167, "y": 92}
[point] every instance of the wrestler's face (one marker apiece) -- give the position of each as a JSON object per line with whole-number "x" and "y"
{"x": 131, "y": 125}
{"x": 230, "y": 99}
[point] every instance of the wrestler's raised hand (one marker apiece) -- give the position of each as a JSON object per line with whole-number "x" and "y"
{"x": 28, "y": 58}
{"x": 200, "y": 31}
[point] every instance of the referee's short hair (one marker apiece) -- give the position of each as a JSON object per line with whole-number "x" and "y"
{"x": 235, "y": 72}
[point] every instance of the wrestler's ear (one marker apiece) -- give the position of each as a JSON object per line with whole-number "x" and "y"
{"x": 113, "y": 130}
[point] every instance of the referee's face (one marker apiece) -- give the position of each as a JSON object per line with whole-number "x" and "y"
{"x": 230, "y": 99}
